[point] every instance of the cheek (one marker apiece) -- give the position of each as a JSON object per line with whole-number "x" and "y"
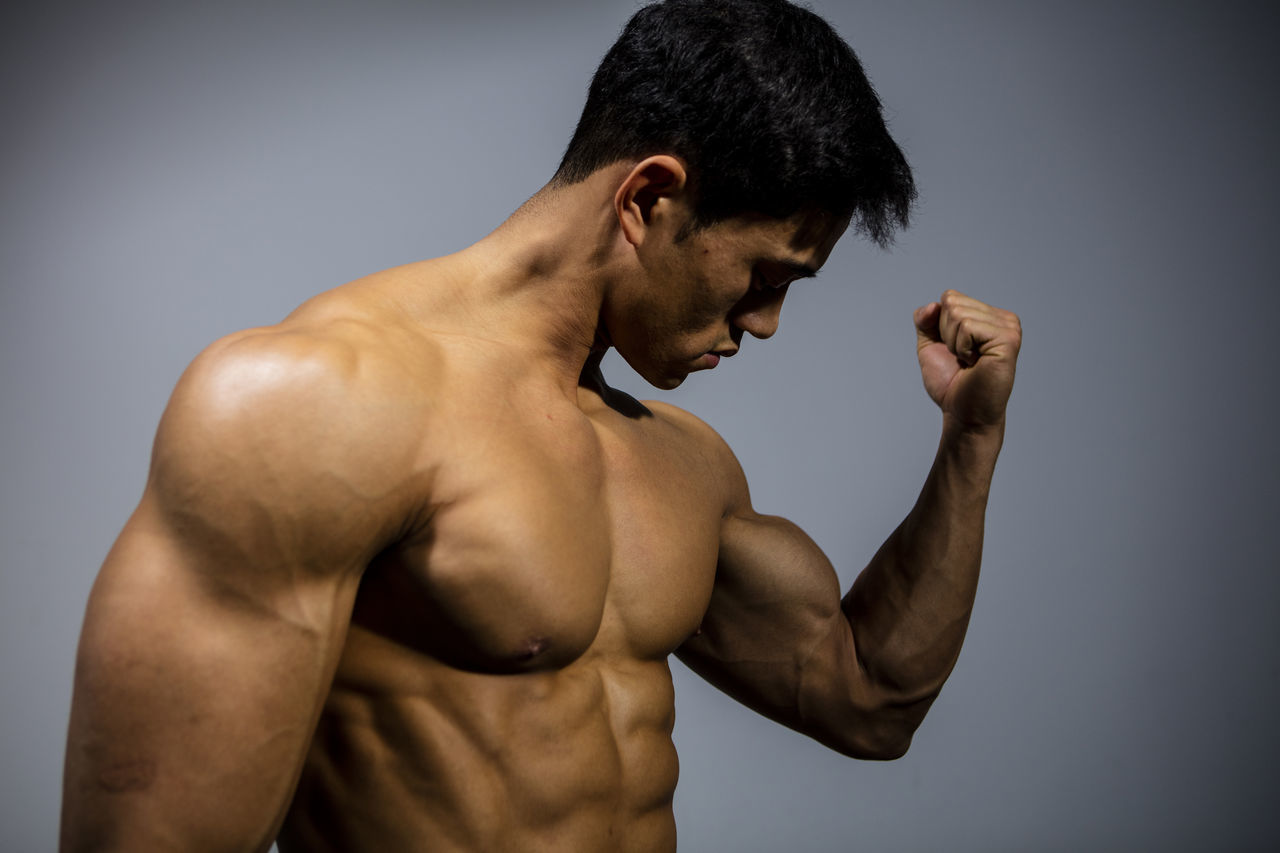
{"x": 708, "y": 305}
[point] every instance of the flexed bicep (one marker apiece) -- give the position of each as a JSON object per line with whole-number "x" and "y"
{"x": 776, "y": 639}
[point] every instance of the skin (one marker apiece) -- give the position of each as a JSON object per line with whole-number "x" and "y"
{"x": 407, "y": 573}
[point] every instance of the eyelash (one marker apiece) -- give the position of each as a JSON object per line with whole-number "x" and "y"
{"x": 760, "y": 283}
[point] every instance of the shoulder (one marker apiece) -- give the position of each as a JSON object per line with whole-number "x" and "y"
{"x": 293, "y": 389}
{"x": 692, "y": 427}
{"x": 301, "y": 430}
{"x": 710, "y": 448}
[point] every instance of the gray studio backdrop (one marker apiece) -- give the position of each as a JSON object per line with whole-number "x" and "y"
{"x": 171, "y": 172}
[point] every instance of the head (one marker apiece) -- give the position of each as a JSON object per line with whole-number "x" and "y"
{"x": 766, "y": 107}
{"x": 680, "y": 303}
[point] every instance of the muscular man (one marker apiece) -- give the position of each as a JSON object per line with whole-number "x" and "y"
{"x": 407, "y": 573}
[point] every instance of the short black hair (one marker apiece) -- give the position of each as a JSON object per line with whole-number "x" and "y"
{"x": 764, "y": 102}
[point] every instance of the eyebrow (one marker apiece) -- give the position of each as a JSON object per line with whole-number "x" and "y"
{"x": 796, "y": 268}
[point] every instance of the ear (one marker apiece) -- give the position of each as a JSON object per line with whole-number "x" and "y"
{"x": 652, "y": 186}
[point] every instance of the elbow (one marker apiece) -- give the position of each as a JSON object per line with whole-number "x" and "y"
{"x": 880, "y": 733}
{"x": 882, "y": 729}
{"x": 888, "y": 750}
{"x": 861, "y": 714}
{"x": 874, "y": 743}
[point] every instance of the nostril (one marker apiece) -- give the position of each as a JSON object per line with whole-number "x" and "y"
{"x": 759, "y": 326}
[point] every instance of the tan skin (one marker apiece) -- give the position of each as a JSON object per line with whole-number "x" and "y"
{"x": 407, "y": 573}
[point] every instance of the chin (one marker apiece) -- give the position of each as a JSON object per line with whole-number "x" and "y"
{"x": 655, "y": 374}
{"x": 663, "y": 381}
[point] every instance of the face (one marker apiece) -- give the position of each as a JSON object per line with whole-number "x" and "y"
{"x": 692, "y": 300}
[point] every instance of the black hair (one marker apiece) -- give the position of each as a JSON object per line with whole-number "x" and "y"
{"x": 767, "y": 106}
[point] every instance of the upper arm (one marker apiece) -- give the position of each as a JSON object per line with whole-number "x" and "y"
{"x": 775, "y": 636}
{"x": 215, "y": 624}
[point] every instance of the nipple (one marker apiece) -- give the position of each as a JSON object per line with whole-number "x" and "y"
{"x": 533, "y": 647}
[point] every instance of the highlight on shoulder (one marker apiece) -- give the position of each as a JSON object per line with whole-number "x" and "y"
{"x": 315, "y": 424}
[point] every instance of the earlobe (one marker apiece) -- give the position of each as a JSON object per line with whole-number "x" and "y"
{"x": 654, "y": 182}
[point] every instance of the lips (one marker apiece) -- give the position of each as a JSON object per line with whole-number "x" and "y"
{"x": 710, "y": 359}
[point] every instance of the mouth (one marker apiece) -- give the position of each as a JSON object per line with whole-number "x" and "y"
{"x": 711, "y": 359}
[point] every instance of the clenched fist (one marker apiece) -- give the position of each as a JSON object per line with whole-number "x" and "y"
{"x": 968, "y": 352}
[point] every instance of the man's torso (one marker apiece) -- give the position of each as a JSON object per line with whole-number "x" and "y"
{"x": 504, "y": 683}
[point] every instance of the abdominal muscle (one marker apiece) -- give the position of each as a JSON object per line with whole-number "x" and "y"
{"x": 411, "y": 754}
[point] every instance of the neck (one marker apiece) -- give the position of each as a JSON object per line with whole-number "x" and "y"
{"x": 540, "y": 279}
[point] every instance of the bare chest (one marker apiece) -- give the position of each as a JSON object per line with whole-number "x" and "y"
{"x": 552, "y": 534}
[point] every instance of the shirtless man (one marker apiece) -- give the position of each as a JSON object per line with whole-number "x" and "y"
{"x": 407, "y": 573}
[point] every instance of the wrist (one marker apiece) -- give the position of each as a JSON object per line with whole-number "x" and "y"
{"x": 971, "y": 450}
{"x": 991, "y": 434}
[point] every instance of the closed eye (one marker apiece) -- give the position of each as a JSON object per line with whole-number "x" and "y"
{"x": 760, "y": 281}
{"x": 787, "y": 271}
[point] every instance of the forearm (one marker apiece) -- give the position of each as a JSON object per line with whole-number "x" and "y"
{"x": 909, "y": 608}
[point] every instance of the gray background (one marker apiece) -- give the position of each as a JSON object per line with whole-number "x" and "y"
{"x": 172, "y": 172}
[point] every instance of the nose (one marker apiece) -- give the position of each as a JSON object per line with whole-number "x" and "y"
{"x": 759, "y": 311}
